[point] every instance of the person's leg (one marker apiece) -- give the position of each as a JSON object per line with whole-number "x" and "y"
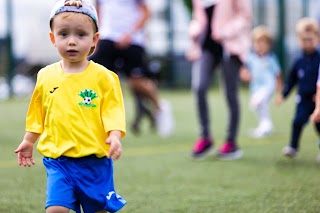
{"x": 95, "y": 184}
{"x": 299, "y": 121}
{"x": 146, "y": 111}
{"x": 265, "y": 114}
{"x": 202, "y": 71}
{"x": 141, "y": 109}
{"x": 61, "y": 195}
{"x": 135, "y": 126}
{"x": 135, "y": 68}
{"x": 148, "y": 89}
{"x": 265, "y": 123}
{"x": 230, "y": 74}
{"x": 57, "y": 209}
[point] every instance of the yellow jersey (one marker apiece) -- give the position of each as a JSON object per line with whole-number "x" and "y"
{"x": 75, "y": 112}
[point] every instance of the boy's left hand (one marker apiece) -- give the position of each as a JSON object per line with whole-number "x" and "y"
{"x": 115, "y": 150}
{"x": 315, "y": 116}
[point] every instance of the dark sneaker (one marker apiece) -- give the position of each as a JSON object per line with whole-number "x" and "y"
{"x": 229, "y": 151}
{"x": 290, "y": 152}
{"x": 202, "y": 148}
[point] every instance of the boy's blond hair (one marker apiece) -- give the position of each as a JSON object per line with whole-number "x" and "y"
{"x": 307, "y": 25}
{"x": 262, "y": 32}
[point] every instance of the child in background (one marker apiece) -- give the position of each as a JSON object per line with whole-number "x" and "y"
{"x": 304, "y": 75}
{"x": 263, "y": 73}
{"x": 77, "y": 108}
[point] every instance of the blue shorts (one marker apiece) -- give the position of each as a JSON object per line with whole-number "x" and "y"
{"x": 86, "y": 181}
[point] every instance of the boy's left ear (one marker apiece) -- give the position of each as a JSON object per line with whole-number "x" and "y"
{"x": 96, "y": 37}
{"x": 52, "y": 39}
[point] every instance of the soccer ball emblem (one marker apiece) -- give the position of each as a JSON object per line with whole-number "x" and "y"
{"x": 87, "y": 100}
{"x": 88, "y": 95}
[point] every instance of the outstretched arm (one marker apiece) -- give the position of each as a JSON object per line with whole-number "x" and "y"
{"x": 25, "y": 149}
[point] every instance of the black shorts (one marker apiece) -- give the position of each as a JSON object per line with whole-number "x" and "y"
{"x": 130, "y": 61}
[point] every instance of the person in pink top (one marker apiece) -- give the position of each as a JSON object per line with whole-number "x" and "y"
{"x": 229, "y": 24}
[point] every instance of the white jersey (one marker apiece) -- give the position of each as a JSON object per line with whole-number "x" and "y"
{"x": 118, "y": 17}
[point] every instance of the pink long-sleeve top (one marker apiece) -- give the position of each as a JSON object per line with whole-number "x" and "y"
{"x": 231, "y": 24}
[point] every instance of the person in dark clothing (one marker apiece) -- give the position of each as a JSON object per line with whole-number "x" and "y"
{"x": 121, "y": 48}
{"x": 219, "y": 32}
{"x": 303, "y": 75}
{"x": 206, "y": 55}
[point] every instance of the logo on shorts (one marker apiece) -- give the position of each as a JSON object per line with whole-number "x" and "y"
{"x": 88, "y": 95}
{"x": 109, "y": 195}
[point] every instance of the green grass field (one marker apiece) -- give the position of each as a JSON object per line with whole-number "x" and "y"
{"x": 158, "y": 175}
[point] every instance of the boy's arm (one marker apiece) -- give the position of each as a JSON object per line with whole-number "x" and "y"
{"x": 290, "y": 82}
{"x": 279, "y": 87}
{"x": 245, "y": 75}
{"x": 25, "y": 149}
{"x": 115, "y": 144}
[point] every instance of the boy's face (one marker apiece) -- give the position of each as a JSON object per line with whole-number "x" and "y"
{"x": 308, "y": 41}
{"x": 261, "y": 46}
{"x": 73, "y": 34}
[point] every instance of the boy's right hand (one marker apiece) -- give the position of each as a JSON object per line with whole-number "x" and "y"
{"x": 245, "y": 74}
{"x": 25, "y": 151}
{"x": 315, "y": 116}
{"x": 279, "y": 100}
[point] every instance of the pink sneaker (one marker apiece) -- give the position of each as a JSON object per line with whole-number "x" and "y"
{"x": 229, "y": 151}
{"x": 202, "y": 147}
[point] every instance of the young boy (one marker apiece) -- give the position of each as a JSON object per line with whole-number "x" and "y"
{"x": 77, "y": 108}
{"x": 304, "y": 74}
{"x": 263, "y": 73}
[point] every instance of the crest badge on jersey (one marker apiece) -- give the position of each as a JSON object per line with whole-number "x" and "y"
{"x": 88, "y": 96}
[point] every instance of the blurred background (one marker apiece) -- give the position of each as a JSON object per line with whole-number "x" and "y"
{"x": 25, "y": 46}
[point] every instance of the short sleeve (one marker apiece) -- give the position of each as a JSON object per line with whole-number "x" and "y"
{"x": 113, "y": 111}
{"x": 35, "y": 115}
